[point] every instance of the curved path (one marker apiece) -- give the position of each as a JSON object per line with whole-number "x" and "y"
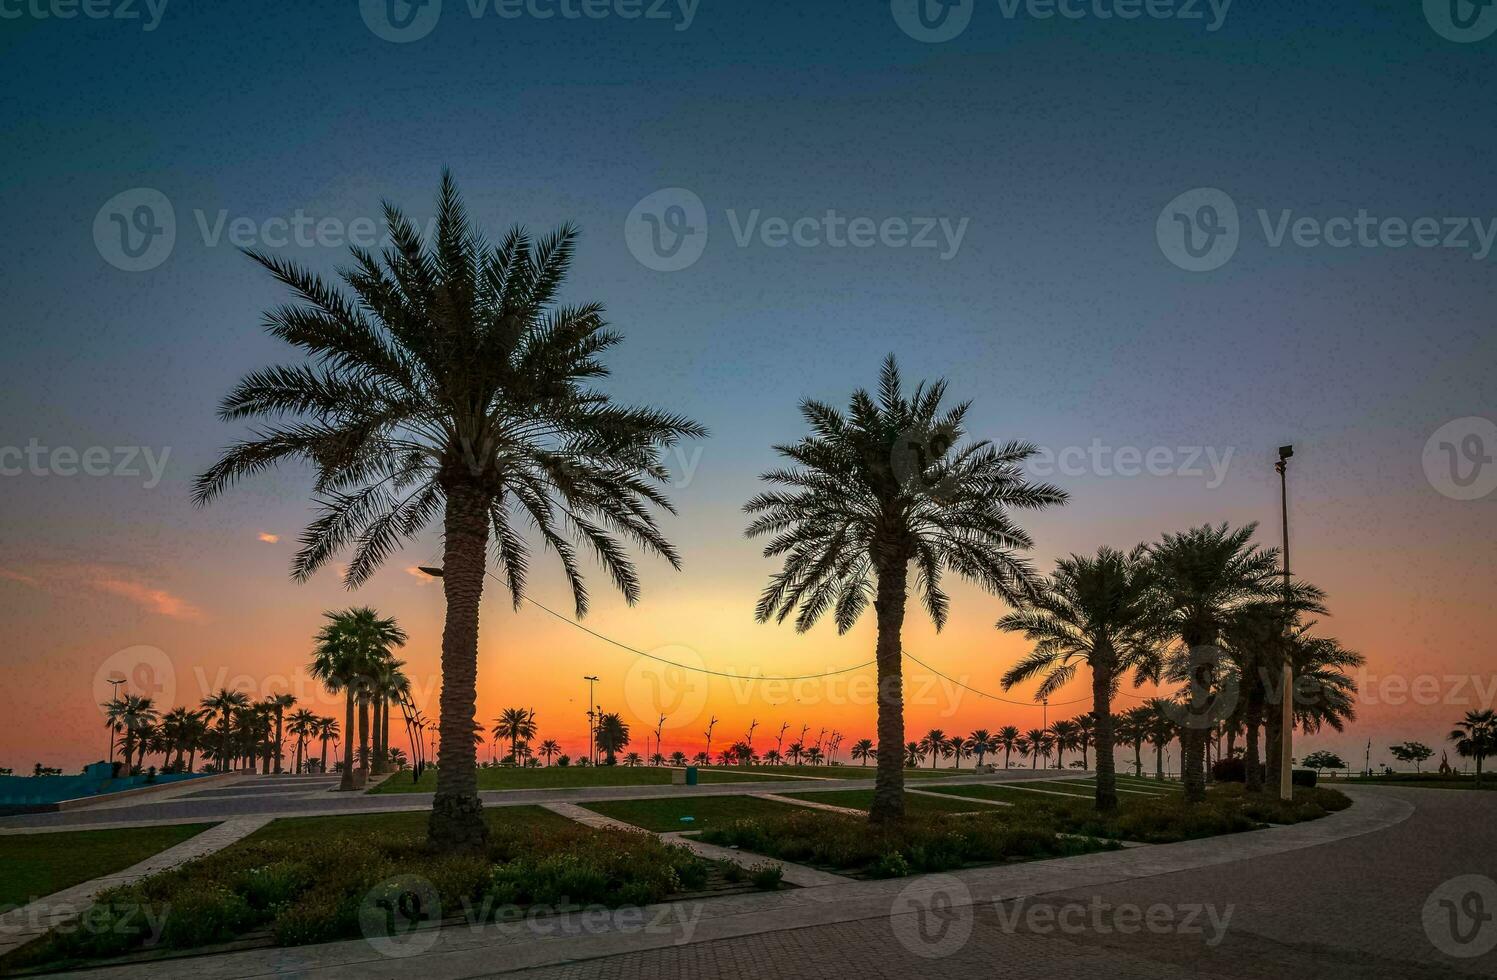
{"x": 1338, "y": 897}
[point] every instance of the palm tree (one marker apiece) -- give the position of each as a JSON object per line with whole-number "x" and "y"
{"x": 446, "y": 381}
{"x": 326, "y": 730}
{"x": 224, "y": 704}
{"x": 864, "y": 749}
{"x": 1007, "y": 739}
{"x": 1099, "y": 612}
{"x": 387, "y": 684}
{"x": 398, "y": 759}
{"x": 549, "y": 748}
{"x": 613, "y": 735}
{"x": 980, "y": 743}
{"x": 1201, "y": 577}
{"x": 796, "y": 751}
{"x": 1131, "y": 728}
{"x": 813, "y": 755}
{"x": 302, "y": 725}
{"x": 178, "y": 728}
{"x": 913, "y": 754}
{"x": 1036, "y": 742}
{"x": 279, "y": 703}
{"x": 1163, "y": 730}
{"x": 194, "y": 736}
{"x": 1086, "y": 731}
{"x": 350, "y": 651}
{"x": 702, "y": 759}
{"x": 134, "y": 716}
{"x": 1475, "y": 737}
{"x": 934, "y": 744}
{"x": 515, "y": 724}
{"x": 1065, "y": 735}
{"x": 873, "y": 491}
{"x": 678, "y": 758}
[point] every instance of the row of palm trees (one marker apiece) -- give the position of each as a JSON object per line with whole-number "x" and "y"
{"x": 228, "y": 729}
{"x": 444, "y": 380}
{"x": 1475, "y": 737}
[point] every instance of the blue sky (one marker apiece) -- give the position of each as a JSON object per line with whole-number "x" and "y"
{"x": 1054, "y": 143}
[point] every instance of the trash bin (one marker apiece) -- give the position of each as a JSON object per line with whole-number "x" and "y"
{"x": 691, "y": 775}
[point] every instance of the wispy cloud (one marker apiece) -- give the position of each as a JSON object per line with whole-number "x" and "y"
{"x": 268, "y": 538}
{"x": 158, "y": 601}
{"x": 419, "y": 575}
{"x": 11, "y": 576}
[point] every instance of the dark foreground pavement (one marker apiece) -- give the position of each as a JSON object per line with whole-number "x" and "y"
{"x": 1353, "y": 908}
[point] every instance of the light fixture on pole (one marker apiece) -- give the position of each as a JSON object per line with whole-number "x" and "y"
{"x": 1286, "y": 736}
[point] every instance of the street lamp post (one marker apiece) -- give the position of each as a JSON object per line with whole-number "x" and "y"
{"x": 114, "y": 695}
{"x": 1286, "y": 737}
{"x": 592, "y": 730}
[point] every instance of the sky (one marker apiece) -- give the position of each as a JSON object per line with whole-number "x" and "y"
{"x": 1158, "y": 246}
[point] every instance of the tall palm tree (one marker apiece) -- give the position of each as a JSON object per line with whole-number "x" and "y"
{"x": 1201, "y": 577}
{"x": 223, "y": 704}
{"x": 446, "y": 380}
{"x": 796, "y": 751}
{"x": 913, "y": 754}
{"x": 302, "y": 725}
{"x": 1040, "y": 742}
{"x": 1086, "y": 733}
{"x": 613, "y": 736}
{"x": 1475, "y": 737}
{"x": 194, "y": 735}
{"x": 1163, "y": 729}
{"x": 933, "y": 744}
{"x": 1098, "y": 611}
{"x": 873, "y": 491}
{"x": 863, "y": 749}
{"x": 279, "y": 703}
{"x": 177, "y": 729}
{"x": 351, "y": 649}
{"x": 1007, "y": 739}
{"x": 515, "y": 724}
{"x": 678, "y": 758}
{"x": 326, "y": 731}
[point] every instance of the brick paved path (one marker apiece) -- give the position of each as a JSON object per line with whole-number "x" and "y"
{"x": 1349, "y": 908}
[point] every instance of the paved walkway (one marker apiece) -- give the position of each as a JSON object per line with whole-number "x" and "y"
{"x": 20, "y": 926}
{"x": 1268, "y": 893}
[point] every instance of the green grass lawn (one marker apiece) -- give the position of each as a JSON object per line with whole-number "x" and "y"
{"x": 1428, "y": 780}
{"x": 40, "y": 864}
{"x": 306, "y": 879}
{"x": 665, "y": 815}
{"x": 564, "y": 777}
{"x": 832, "y": 772}
{"x": 862, "y": 799}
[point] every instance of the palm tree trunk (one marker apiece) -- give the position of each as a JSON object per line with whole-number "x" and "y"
{"x": 346, "y": 782}
{"x": 1252, "y": 765}
{"x": 888, "y": 779}
{"x": 1107, "y": 783}
{"x": 279, "y": 734}
{"x": 1159, "y": 761}
{"x": 192, "y": 758}
{"x": 223, "y": 759}
{"x": 379, "y": 755}
{"x": 456, "y": 812}
{"x": 324, "y": 755}
{"x": 1138, "y": 759}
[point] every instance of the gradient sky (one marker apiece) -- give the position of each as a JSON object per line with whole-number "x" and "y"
{"x": 1057, "y": 141}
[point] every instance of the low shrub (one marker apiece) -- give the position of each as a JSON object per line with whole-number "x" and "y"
{"x": 766, "y": 875}
{"x": 1232, "y": 770}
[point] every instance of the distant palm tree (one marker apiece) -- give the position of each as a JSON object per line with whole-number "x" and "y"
{"x": 1099, "y": 612}
{"x": 1086, "y": 732}
{"x": 447, "y": 381}
{"x": 632, "y": 759}
{"x": 134, "y": 716}
{"x": 1132, "y": 728}
{"x": 398, "y": 759}
{"x": 702, "y": 759}
{"x": 1475, "y": 737}
{"x": 1007, "y": 739}
{"x": 772, "y": 757}
{"x": 874, "y": 491}
{"x": 549, "y": 748}
{"x": 302, "y": 725}
{"x": 1038, "y": 741}
{"x": 813, "y": 755}
{"x": 796, "y": 751}
{"x": 913, "y": 754}
{"x": 178, "y": 728}
{"x": 1200, "y": 578}
{"x": 515, "y": 724}
{"x": 326, "y": 731}
{"x": 934, "y": 745}
{"x": 350, "y": 650}
{"x": 864, "y": 749}
{"x": 1162, "y": 729}
{"x": 980, "y": 743}
{"x": 224, "y": 704}
{"x": 279, "y": 703}
{"x": 613, "y": 735}
{"x": 1064, "y": 735}
{"x": 678, "y": 758}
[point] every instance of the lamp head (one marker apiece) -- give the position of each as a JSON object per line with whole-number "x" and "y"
{"x": 1286, "y": 451}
